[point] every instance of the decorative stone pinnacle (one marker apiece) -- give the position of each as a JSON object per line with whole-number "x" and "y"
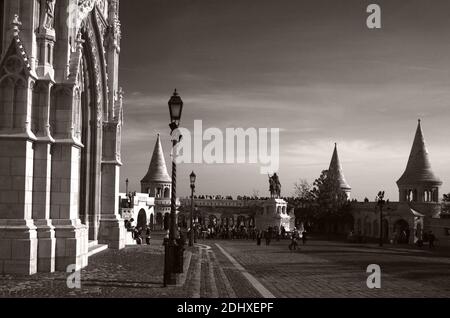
{"x": 16, "y": 24}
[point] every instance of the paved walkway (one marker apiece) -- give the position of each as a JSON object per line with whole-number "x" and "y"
{"x": 136, "y": 271}
{"x": 230, "y": 269}
{"x": 331, "y": 269}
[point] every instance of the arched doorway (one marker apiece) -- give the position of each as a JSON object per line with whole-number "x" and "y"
{"x": 159, "y": 221}
{"x": 86, "y": 116}
{"x": 141, "y": 219}
{"x": 166, "y": 221}
{"x": 402, "y": 232}
{"x": 151, "y": 222}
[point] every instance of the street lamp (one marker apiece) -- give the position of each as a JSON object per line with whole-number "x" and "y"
{"x": 173, "y": 252}
{"x": 192, "y": 178}
{"x": 380, "y": 203}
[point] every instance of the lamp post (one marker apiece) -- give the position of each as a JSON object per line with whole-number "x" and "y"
{"x": 126, "y": 187}
{"x": 172, "y": 250}
{"x": 195, "y": 222}
{"x": 380, "y": 203}
{"x": 192, "y": 178}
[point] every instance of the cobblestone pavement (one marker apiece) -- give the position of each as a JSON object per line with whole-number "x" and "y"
{"x": 319, "y": 269}
{"x": 332, "y": 269}
{"x": 136, "y": 271}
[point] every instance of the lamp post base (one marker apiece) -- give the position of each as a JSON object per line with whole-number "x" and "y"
{"x": 173, "y": 263}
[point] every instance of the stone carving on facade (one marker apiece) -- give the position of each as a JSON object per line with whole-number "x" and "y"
{"x": 114, "y": 30}
{"x": 79, "y": 13}
{"x": 49, "y": 14}
{"x": 97, "y": 73}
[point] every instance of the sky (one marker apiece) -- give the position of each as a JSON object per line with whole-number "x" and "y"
{"x": 311, "y": 68}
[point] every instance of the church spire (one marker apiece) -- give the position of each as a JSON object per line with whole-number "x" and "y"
{"x": 336, "y": 169}
{"x": 418, "y": 170}
{"x": 157, "y": 171}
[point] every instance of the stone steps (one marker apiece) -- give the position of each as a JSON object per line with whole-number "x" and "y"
{"x": 94, "y": 248}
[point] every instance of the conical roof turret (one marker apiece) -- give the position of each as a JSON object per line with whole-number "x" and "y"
{"x": 418, "y": 170}
{"x": 336, "y": 169}
{"x": 157, "y": 171}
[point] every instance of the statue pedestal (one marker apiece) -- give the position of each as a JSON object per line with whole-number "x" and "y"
{"x": 274, "y": 215}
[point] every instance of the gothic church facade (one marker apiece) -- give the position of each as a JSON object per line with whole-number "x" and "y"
{"x": 60, "y": 132}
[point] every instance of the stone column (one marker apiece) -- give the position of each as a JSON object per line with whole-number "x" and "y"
{"x": 71, "y": 235}
{"x": 42, "y": 178}
{"x": 18, "y": 238}
{"x": 41, "y": 207}
{"x": 112, "y": 226}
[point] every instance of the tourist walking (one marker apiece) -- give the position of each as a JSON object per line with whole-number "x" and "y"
{"x": 293, "y": 245}
{"x": 304, "y": 237}
{"x": 137, "y": 236}
{"x": 258, "y": 237}
{"x": 431, "y": 239}
{"x": 148, "y": 235}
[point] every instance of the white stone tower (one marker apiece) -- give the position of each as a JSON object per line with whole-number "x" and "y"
{"x": 157, "y": 182}
{"x": 419, "y": 185}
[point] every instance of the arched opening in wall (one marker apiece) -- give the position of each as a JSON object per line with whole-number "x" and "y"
{"x": 88, "y": 126}
{"x": 141, "y": 219}
{"x": 166, "y": 193}
{"x": 410, "y": 195}
{"x": 401, "y": 231}
{"x": 152, "y": 222}
{"x": 166, "y": 221}
{"x": 358, "y": 227}
{"x": 159, "y": 221}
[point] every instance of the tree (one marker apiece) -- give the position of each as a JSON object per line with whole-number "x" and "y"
{"x": 446, "y": 197}
{"x": 445, "y": 212}
{"x": 332, "y": 202}
{"x": 302, "y": 189}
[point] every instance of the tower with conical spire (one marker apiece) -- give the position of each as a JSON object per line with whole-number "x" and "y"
{"x": 336, "y": 169}
{"x": 157, "y": 182}
{"x": 419, "y": 183}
